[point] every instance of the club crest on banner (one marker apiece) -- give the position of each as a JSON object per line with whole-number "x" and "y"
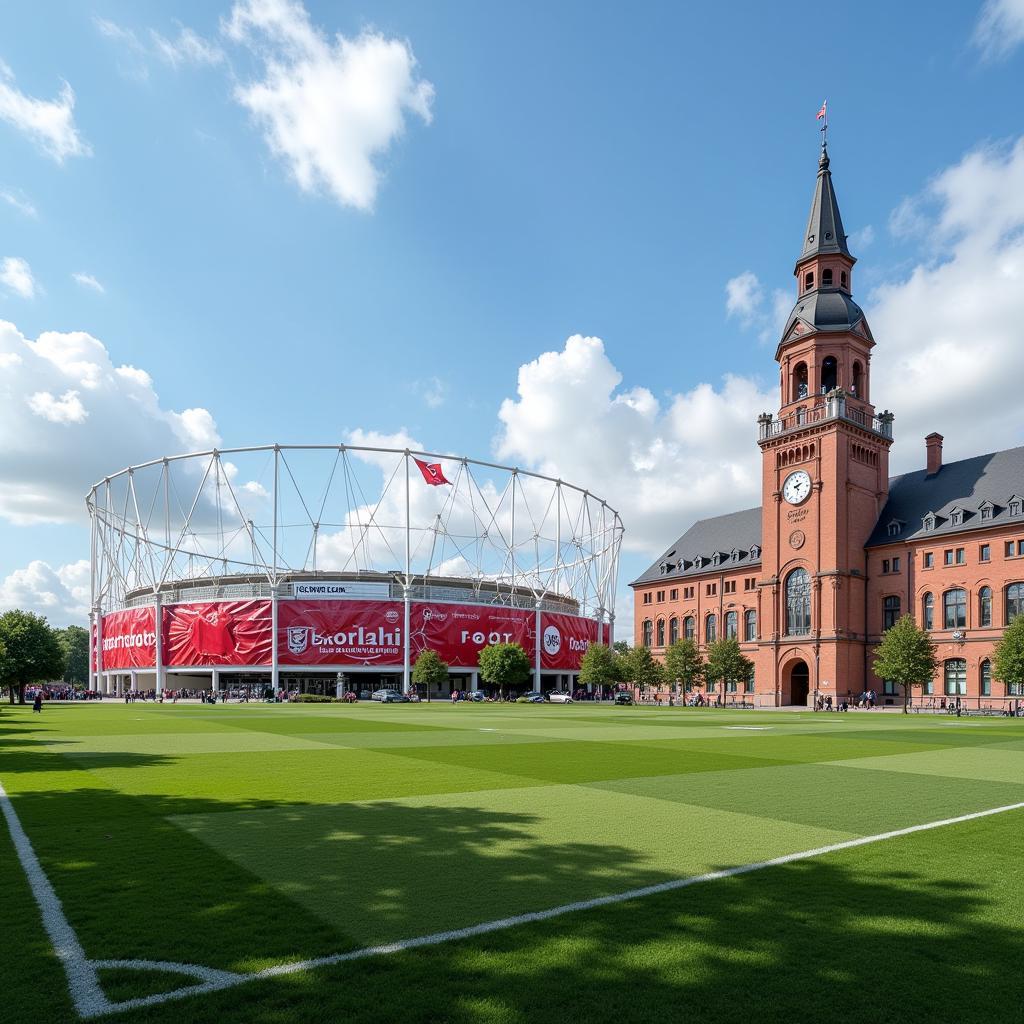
{"x": 552, "y": 640}
{"x": 298, "y": 638}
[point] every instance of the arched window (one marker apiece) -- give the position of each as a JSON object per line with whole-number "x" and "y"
{"x": 985, "y": 606}
{"x": 985, "y": 685}
{"x": 954, "y": 609}
{"x": 1014, "y": 601}
{"x": 808, "y": 280}
{"x": 956, "y": 677}
{"x": 826, "y": 278}
{"x": 750, "y": 625}
{"x": 829, "y": 374}
{"x": 660, "y": 633}
{"x": 647, "y": 633}
{"x": 673, "y": 630}
{"x": 858, "y": 380}
{"x": 798, "y": 603}
{"x": 890, "y": 611}
{"x": 710, "y": 629}
{"x": 928, "y": 611}
{"x": 800, "y": 381}
{"x": 731, "y": 625}
{"x": 689, "y": 627}
{"x": 842, "y": 278}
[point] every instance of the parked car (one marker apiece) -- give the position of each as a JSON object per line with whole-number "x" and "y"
{"x": 558, "y": 697}
{"x": 389, "y": 697}
{"x": 535, "y": 698}
{"x": 476, "y": 696}
{"x": 623, "y": 698}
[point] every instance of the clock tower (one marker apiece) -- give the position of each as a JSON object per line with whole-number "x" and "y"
{"x": 825, "y": 475}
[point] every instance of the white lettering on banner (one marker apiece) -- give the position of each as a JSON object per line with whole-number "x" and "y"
{"x": 578, "y": 645}
{"x": 126, "y": 640}
{"x": 480, "y": 639}
{"x": 335, "y": 590}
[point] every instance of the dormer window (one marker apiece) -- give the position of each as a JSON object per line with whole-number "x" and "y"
{"x": 895, "y": 528}
{"x": 735, "y": 554}
{"x": 956, "y": 517}
{"x": 755, "y": 552}
{"x": 716, "y": 558}
{"x": 985, "y": 511}
{"x": 1014, "y": 507}
{"x": 826, "y": 278}
{"x": 929, "y": 522}
{"x": 808, "y": 280}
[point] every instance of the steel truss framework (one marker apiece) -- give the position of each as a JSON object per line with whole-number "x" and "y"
{"x": 244, "y": 520}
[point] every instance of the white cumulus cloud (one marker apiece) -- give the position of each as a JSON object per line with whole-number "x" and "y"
{"x": 88, "y": 281}
{"x": 61, "y": 594}
{"x": 66, "y": 409}
{"x": 16, "y": 275}
{"x": 50, "y": 124}
{"x": 329, "y": 108}
{"x": 1000, "y": 28}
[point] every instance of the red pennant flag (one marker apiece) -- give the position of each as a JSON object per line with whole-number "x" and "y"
{"x": 431, "y": 472}
{"x": 822, "y": 112}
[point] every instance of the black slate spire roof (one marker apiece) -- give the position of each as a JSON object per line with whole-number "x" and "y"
{"x": 825, "y": 232}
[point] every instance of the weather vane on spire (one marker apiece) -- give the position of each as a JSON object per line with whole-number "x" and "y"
{"x": 823, "y": 117}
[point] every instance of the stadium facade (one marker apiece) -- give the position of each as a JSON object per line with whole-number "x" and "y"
{"x": 838, "y": 550}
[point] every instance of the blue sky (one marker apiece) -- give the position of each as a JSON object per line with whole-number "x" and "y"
{"x": 572, "y": 168}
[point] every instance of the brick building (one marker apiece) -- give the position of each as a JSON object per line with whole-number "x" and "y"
{"x": 838, "y": 550}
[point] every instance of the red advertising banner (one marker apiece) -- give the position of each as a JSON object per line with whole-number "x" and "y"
{"x": 564, "y": 640}
{"x": 217, "y": 633}
{"x": 129, "y": 639}
{"x": 339, "y": 633}
{"x": 459, "y": 632}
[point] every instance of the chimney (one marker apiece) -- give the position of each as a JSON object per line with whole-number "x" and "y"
{"x": 933, "y": 448}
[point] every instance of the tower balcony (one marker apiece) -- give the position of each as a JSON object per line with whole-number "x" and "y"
{"x": 834, "y": 406}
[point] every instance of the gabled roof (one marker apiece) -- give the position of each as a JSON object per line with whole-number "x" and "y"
{"x": 740, "y": 531}
{"x": 967, "y": 485}
{"x": 824, "y": 232}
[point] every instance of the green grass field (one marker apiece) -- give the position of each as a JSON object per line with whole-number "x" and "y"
{"x": 240, "y": 837}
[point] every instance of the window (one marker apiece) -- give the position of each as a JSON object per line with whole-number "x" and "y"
{"x": 711, "y": 589}
{"x": 729, "y": 587}
{"x": 929, "y": 522}
{"x": 890, "y": 611}
{"x": 984, "y": 553}
{"x": 829, "y": 374}
{"x": 927, "y": 688}
{"x": 688, "y": 627}
{"x": 1020, "y": 547}
{"x": 647, "y": 635}
{"x": 748, "y": 683}
{"x": 986, "y": 513}
{"x": 961, "y": 558}
{"x": 1014, "y": 508}
{"x": 842, "y": 278}
{"x": 894, "y": 529}
{"x": 954, "y": 609}
{"x": 947, "y": 556}
{"x": 956, "y": 518}
{"x": 928, "y": 611}
{"x": 673, "y": 630}
{"x": 885, "y": 565}
{"x": 809, "y": 280}
{"x": 985, "y": 606}
{"x": 731, "y": 625}
{"x": 710, "y": 629}
{"x": 673, "y": 595}
{"x": 660, "y": 633}
{"x": 929, "y": 559}
{"x": 826, "y": 278}
{"x": 798, "y": 603}
{"x": 858, "y": 373}
{"x": 1014, "y": 601}
{"x": 985, "y": 674}
{"x": 648, "y": 597}
{"x": 896, "y": 565}
{"x": 730, "y": 685}
{"x": 660, "y": 597}
{"x": 889, "y": 688}
{"x": 799, "y": 382}
{"x": 955, "y": 675}
{"x": 750, "y": 625}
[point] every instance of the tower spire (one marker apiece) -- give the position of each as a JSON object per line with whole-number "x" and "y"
{"x": 825, "y": 234}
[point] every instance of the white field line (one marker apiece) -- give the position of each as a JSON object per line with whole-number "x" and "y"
{"x": 91, "y": 1002}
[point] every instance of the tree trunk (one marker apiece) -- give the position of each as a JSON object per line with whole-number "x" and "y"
{"x": 21, "y": 693}
{"x": 906, "y": 698}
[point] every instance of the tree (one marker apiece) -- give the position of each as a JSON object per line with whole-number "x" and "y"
{"x": 429, "y": 670}
{"x": 642, "y": 668}
{"x": 1008, "y": 659}
{"x": 32, "y": 652}
{"x": 683, "y": 663}
{"x": 906, "y": 656}
{"x": 600, "y": 666}
{"x": 506, "y": 666}
{"x": 726, "y": 662}
{"x": 74, "y": 641}
{"x": 621, "y": 647}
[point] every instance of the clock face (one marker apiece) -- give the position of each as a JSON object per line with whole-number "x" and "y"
{"x": 797, "y": 487}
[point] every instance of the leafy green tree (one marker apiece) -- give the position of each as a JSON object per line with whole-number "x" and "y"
{"x": 621, "y": 647}
{"x": 33, "y": 653}
{"x": 1008, "y": 660}
{"x": 684, "y": 664}
{"x": 726, "y": 662}
{"x": 429, "y": 670}
{"x": 643, "y": 669}
{"x": 600, "y": 666}
{"x": 506, "y": 666}
{"x": 74, "y": 641}
{"x": 906, "y": 656}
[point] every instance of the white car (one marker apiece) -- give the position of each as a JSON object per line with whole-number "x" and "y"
{"x": 557, "y": 697}
{"x": 389, "y": 697}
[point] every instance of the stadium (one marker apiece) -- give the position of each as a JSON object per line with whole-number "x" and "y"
{"x": 329, "y": 568}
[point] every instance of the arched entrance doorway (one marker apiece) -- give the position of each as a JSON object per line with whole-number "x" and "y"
{"x": 799, "y": 683}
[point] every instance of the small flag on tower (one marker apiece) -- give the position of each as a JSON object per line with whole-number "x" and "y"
{"x": 823, "y": 114}
{"x": 431, "y": 472}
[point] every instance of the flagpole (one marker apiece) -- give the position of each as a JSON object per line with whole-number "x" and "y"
{"x": 406, "y": 682}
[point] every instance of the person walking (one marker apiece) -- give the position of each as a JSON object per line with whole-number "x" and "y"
{"x": 37, "y": 703}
